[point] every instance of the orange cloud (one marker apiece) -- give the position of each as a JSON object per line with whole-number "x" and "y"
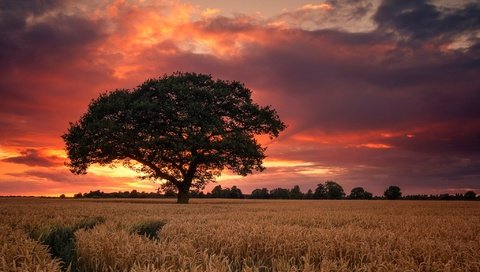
{"x": 322, "y": 6}
{"x": 375, "y": 146}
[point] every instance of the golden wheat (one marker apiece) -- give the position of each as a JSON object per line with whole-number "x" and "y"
{"x": 247, "y": 235}
{"x": 20, "y": 253}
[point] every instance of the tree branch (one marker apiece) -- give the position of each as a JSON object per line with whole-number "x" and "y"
{"x": 157, "y": 171}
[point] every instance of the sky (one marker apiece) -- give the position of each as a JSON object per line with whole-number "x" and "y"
{"x": 375, "y": 93}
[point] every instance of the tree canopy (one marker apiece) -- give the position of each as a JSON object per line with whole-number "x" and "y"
{"x": 393, "y": 192}
{"x": 183, "y": 128}
{"x": 329, "y": 190}
{"x": 360, "y": 193}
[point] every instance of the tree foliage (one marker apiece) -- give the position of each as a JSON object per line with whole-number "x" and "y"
{"x": 329, "y": 190}
{"x": 260, "y": 193}
{"x": 393, "y": 192}
{"x": 280, "y": 193}
{"x": 360, "y": 193}
{"x": 295, "y": 193}
{"x": 320, "y": 192}
{"x": 219, "y": 192}
{"x": 183, "y": 128}
{"x": 470, "y": 195}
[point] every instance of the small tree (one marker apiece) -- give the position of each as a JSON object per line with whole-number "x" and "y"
{"x": 334, "y": 190}
{"x": 217, "y": 191}
{"x": 78, "y": 195}
{"x": 260, "y": 193}
{"x": 470, "y": 195}
{"x": 279, "y": 193}
{"x": 235, "y": 192}
{"x": 295, "y": 193}
{"x": 309, "y": 194}
{"x": 360, "y": 193}
{"x": 393, "y": 192}
{"x": 169, "y": 192}
{"x": 320, "y": 192}
{"x": 183, "y": 129}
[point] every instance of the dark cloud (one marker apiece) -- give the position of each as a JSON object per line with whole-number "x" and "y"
{"x": 29, "y": 7}
{"x": 33, "y": 157}
{"x": 237, "y": 24}
{"x": 339, "y": 15}
{"x": 48, "y": 66}
{"x": 59, "y": 175}
{"x": 422, "y": 20}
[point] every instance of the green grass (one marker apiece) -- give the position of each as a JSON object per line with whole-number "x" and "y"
{"x": 61, "y": 239}
{"x": 148, "y": 228}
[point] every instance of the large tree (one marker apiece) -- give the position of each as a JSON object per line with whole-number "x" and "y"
{"x": 183, "y": 128}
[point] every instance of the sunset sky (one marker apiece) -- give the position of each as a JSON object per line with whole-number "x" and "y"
{"x": 374, "y": 93}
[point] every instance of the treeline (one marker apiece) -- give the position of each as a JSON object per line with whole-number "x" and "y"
{"x": 327, "y": 190}
{"x": 125, "y": 194}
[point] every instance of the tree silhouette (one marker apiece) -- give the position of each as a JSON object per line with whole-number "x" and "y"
{"x": 295, "y": 193}
{"x": 360, "y": 193}
{"x": 334, "y": 190}
{"x": 320, "y": 192}
{"x": 393, "y": 192}
{"x": 309, "y": 194}
{"x": 260, "y": 193}
{"x": 470, "y": 195}
{"x": 235, "y": 192}
{"x": 183, "y": 129}
{"x": 329, "y": 190}
{"x": 279, "y": 193}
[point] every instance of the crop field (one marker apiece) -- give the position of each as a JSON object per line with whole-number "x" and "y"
{"x": 238, "y": 235}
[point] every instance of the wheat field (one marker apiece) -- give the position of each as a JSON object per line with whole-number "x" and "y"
{"x": 238, "y": 235}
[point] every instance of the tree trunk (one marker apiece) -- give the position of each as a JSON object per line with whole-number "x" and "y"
{"x": 183, "y": 195}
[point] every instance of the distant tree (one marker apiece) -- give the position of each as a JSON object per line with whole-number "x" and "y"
{"x": 62, "y": 196}
{"x": 309, "y": 194}
{"x": 183, "y": 128}
{"x": 295, "y": 193}
{"x": 260, "y": 193}
{"x": 368, "y": 195}
{"x": 235, "y": 192}
{"x": 196, "y": 194}
{"x": 94, "y": 194}
{"x": 470, "y": 195}
{"x": 217, "y": 191}
{"x": 279, "y": 193}
{"x": 393, "y": 192}
{"x": 445, "y": 196}
{"x": 320, "y": 192}
{"x": 334, "y": 190}
{"x": 134, "y": 194}
{"x": 78, "y": 195}
{"x": 360, "y": 193}
{"x": 169, "y": 192}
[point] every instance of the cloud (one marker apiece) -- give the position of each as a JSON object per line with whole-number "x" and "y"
{"x": 424, "y": 21}
{"x": 42, "y": 182}
{"x": 351, "y": 16}
{"x": 33, "y": 157}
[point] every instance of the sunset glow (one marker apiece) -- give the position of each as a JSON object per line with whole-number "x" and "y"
{"x": 369, "y": 99}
